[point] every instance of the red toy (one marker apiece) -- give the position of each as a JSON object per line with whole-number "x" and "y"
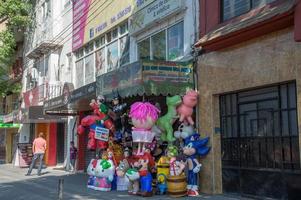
{"x": 90, "y": 122}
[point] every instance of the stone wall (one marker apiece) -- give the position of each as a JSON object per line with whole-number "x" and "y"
{"x": 266, "y": 60}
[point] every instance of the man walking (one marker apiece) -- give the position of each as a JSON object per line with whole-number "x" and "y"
{"x": 38, "y": 148}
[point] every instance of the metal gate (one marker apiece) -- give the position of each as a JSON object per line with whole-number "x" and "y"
{"x": 260, "y": 143}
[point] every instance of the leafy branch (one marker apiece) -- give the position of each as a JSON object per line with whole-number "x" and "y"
{"x": 16, "y": 16}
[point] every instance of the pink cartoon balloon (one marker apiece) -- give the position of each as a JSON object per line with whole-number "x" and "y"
{"x": 185, "y": 110}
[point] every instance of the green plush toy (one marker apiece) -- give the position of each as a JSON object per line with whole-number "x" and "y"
{"x": 165, "y": 122}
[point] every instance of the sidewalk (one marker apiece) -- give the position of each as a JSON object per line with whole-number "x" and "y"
{"x": 15, "y": 185}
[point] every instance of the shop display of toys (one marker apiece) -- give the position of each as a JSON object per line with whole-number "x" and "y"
{"x": 142, "y": 150}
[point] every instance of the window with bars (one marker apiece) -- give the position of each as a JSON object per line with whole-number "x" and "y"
{"x": 259, "y": 128}
{"x": 234, "y": 8}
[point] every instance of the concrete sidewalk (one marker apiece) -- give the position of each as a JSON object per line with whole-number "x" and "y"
{"x": 15, "y": 185}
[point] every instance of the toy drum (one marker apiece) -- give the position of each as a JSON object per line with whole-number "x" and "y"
{"x": 177, "y": 186}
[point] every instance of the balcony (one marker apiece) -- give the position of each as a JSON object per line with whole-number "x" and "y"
{"x": 50, "y": 90}
{"x": 37, "y": 95}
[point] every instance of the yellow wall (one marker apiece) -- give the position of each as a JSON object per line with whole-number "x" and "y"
{"x": 9, "y": 144}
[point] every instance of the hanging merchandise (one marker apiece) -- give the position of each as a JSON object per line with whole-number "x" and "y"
{"x": 100, "y": 127}
{"x": 144, "y": 116}
{"x": 165, "y": 122}
{"x": 185, "y": 110}
{"x": 194, "y": 146}
{"x": 117, "y": 115}
{"x": 184, "y": 130}
{"x": 104, "y": 173}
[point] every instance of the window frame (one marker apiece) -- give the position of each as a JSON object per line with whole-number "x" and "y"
{"x": 251, "y": 3}
{"x": 166, "y": 41}
{"x": 104, "y": 46}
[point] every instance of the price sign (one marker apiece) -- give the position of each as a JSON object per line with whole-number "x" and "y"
{"x": 102, "y": 133}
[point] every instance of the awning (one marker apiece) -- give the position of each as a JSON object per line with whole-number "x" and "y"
{"x": 147, "y": 77}
{"x": 35, "y": 114}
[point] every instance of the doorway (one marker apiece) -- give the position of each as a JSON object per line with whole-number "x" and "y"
{"x": 259, "y": 141}
{"x": 60, "y": 142}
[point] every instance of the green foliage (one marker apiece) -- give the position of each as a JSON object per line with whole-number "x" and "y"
{"x": 15, "y": 15}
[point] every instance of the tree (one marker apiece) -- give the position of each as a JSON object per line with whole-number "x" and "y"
{"x": 15, "y": 15}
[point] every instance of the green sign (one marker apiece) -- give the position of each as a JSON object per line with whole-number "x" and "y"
{"x": 8, "y": 125}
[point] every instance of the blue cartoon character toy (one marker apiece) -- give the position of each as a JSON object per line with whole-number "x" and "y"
{"x": 194, "y": 146}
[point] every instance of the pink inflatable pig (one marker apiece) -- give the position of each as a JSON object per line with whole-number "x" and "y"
{"x": 185, "y": 110}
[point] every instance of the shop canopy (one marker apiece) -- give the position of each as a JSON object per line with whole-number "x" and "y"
{"x": 147, "y": 78}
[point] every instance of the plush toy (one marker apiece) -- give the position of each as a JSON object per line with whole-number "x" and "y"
{"x": 162, "y": 185}
{"x": 133, "y": 175}
{"x": 91, "y": 173}
{"x": 184, "y": 130}
{"x": 177, "y": 166}
{"x": 165, "y": 122}
{"x": 146, "y": 162}
{"x": 144, "y": 116}
{"x": 122, "y": 180}
{"x": 104, "y": 173}
{"x": 90, "y": 122}
{"x": 194, "y": 146}
{"x": 124, "y": 165}
{"x": 185, "y": 110}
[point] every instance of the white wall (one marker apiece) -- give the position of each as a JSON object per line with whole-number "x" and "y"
{"x": 24, "y": 131}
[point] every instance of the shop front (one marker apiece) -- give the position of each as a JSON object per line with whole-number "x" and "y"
{"x": 33, "y": 122}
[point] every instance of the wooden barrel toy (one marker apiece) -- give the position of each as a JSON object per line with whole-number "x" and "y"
{"x": 177, "y": 186}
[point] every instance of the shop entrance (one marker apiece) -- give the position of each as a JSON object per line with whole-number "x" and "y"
{"x": 259, "y": 138}
{"x": 60, "y": 142}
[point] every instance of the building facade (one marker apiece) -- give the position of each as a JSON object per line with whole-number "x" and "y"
{"x": 46, "y": 68}
{"x": 249, "y": 82}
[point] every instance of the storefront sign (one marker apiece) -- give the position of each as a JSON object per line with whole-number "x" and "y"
{"x": 8, "y": 118}
{"x": 101, "y": 134}
{"x": 9, "y": 125}
{"x": 154, "y": 12}
{"x": 91, "y": 18}
{"x": 83, "y": 92}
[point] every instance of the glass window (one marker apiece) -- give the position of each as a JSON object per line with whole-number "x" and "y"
{"x": 89, "y": 69}
{"x": 124, "y": 28}
{"x": 115, "y": 33}
{"x": 100, "y": 61}
{"x": 257, "y": 3}
{"x": 175, "y": 41}
{"x": 124, "y": 50}
{"x": 109, "y": 37}
{"x": 233, "y": 8}
{"x": 79, "y": 53}
{"x": 79, "y": 70}
{"x": 144, "y": 49}
{"x": 159, "y": 46}
{"x": 89, "y": 48}
{"x": 112, "y": 56}
{"x": 100, "y": 41}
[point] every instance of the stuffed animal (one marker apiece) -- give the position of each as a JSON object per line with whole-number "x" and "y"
{"x": 122, "y": 180}
{"x": 91, "y": 172}
{"x": 194, "y": 146}
{"x": 184, "y": 130}
{"x": 165, "y": 122}
{"x": 104, "y": 173}
{"x": 144, "y": 115}
{"x": 185, "y": 110}
{"x": 133, "y": 175}
{"x": 146, "y": 162}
